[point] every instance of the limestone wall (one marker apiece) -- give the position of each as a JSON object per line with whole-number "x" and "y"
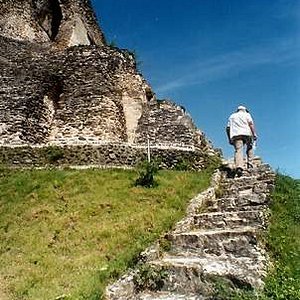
{"x": 17, "y": 21}
{"x": 23, "y": 83}
{"x": 106, "y": 155}
{"x": 89, "y": 107}
{"x": 66, "y": 97}
{"x": 60, "y": 84}
{"x": 165, "y": 122}
{"x": 84, "y": 93}
{"x": 59, "y": 23}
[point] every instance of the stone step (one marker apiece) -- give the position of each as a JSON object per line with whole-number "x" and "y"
{"x": 240, "y": 181}
{"x": 229, "y": 220}
{"x": 236, "y": 242}
{"x": 193, "y": 274}
{"x": 239, "y": 202}
{"x": 169, "y": 296}
{"x": 233, "y": 208}
{"x": 233, "y": 190}
{"x": 248, "y": 196}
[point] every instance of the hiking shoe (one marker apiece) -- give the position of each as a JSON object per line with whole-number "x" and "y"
{"x": 249, "y": 165}
{"x": 239, "y": 172}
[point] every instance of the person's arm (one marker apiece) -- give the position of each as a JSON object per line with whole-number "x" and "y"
{"x": 251, "y": 126}
{"x": 228, "y": 135}
{"x": 253, "y": 131}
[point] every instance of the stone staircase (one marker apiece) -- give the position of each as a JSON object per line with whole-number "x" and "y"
{"x": 221, "y": 242}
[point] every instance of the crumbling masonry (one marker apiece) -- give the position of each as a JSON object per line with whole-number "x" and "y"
{"x": 62, "y": 85}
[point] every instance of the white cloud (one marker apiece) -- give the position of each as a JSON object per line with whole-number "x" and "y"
{"x": 230, "y": 64}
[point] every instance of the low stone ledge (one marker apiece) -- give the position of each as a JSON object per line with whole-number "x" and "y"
{"x": 101, "y": 155}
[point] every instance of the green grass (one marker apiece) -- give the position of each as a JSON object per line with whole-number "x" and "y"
{"x": 284, "y": 241}
{"x": 283, "y": 245}
{"x": 64, "y": 234}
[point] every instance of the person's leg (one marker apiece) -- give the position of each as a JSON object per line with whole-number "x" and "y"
{"x": 238, "y": 154}
{"x": 249, "y": 152}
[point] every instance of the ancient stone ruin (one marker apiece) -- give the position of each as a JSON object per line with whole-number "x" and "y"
{"x": 67, "y": 97}
{"x": 61, "y": 85}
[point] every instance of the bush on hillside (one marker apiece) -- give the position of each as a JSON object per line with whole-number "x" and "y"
{"x": 54, "y": 154}
{"x": 183, "y": 165}
{"x": 146, "y": 172}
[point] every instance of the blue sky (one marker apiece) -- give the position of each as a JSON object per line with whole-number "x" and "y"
{"x": 212, "y": 55}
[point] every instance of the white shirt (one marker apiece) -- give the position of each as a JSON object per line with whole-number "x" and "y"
{"x": 238, "y": 123}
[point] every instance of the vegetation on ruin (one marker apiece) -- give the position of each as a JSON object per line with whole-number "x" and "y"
{"x": 146, "y": 174}
{"x": 64, "y": 234}
{"x": 283, "y": 246}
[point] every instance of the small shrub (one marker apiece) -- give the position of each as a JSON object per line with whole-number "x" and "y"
{"x": 213, "y": 162}
{"x": 147, "y": 171}
{"x": 135, "y": 56}
{"x": 231, "y": 289}
{"x": 149, "y": 277}
{"x": 204, "y": 207}
{"x": 160, "y": 102}
{"x": 220, "y": 191}
{"x": 54, "y": 154}
{"x": 183, "y": 165}
{"x": 112, "y": 44}
{"x": 165, "y": 244}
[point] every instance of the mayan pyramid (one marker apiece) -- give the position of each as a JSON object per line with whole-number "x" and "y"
{"x": 61, "y": 84}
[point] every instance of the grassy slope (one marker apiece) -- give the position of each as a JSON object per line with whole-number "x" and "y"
{"x": 283, "y": 244}
{"x": 67, "y": 233}
{"x": 284, "y": 241}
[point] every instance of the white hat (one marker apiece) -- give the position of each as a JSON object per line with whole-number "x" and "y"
{"x": 241, "y": 107}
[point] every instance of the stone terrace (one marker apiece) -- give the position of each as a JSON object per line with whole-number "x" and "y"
{"x": 85, "y": 93}
{"x": 62, "y": 97}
